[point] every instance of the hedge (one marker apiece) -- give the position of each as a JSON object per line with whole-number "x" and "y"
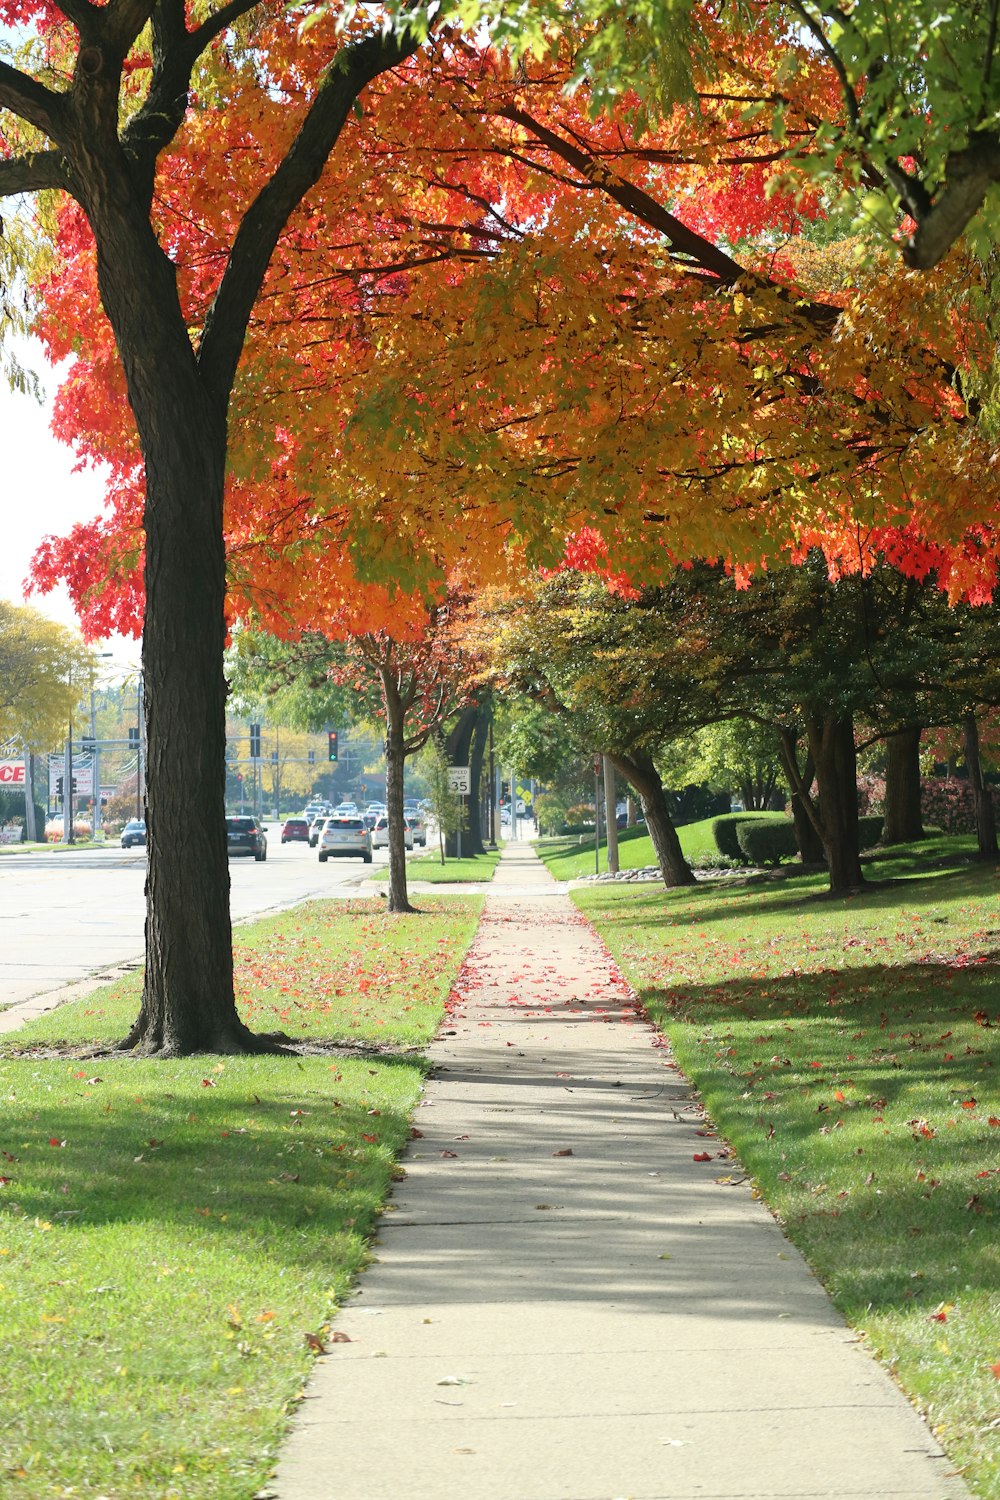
{"x": 725, "y": 830}
{"x": 768, "y": 843}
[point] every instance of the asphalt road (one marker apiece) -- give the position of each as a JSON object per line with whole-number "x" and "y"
{"x": 68, "y": 915}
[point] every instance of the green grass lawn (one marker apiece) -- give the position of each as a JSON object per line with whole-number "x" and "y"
{"x": 569, "y": 859}
{"x": 453, "y": 871}
{"x": 849, "y": 1050}
{"x": 175, "y": 1236}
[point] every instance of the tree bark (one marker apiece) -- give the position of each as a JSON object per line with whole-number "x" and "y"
{"x": 477, "y": 756}
{"x": 831, "y": 744}
{"x": 395, "y": 761}
{"x": 982, "y": 795}
{"x": 30, "y": 829}
{"x": 901, "y": 818}
{"x": 799, "y": 786}
{"x": 639, "y": 770}
{"x": 610, "y": 813}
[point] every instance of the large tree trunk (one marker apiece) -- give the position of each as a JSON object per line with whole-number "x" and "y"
{"x": 610, "y": 813}
{"x": 477, "y": 757}
{"x": 982, "y": 795}
{"x": 901, "y": 817}
{"x": 639, "y": 770}
{"x": 188, "y": 1001}
{"x": 395, "y": 761}
{"x": 457, "y": 745}
{"x": 800, "y": 782}
{"x": 831, "y": 744}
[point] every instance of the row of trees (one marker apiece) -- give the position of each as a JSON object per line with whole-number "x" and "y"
{"x": 818, "y": 667}
{"x": 388, "y": 310}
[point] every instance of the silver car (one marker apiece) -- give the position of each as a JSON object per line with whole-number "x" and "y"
{"x": 344, "y": 836}
{"x": 380, "y": 833}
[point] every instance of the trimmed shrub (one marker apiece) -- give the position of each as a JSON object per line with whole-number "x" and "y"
{"x": 767, "y": 842}
{"x": 869, "y": 831}
{"x": 725, "y": 830}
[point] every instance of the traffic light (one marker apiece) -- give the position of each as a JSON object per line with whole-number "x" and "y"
{"x": 255, "y": 742}
{"x": 133, "y": 736}
{"x": 332, "y": 744}
{"x": 59, "y": 787}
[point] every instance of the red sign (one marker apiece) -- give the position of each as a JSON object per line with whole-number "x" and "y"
{"x": 12, "y": 773}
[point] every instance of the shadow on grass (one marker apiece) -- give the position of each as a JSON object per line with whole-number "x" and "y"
{"x": 764, "y": 896}
{"x": 861, "y": 1101}
{"x": 269, "y": 1156}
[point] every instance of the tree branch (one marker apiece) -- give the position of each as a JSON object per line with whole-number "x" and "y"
{"x": 637, "y": 202}
{"x": 36, "y": 172}
{"x": 226, "y": 323}
{"x": 969, "y": 175}
{"x": 32, "y": 101}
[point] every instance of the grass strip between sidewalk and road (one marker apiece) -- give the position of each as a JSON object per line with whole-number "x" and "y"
{"x": 428, "y": 867}
{"x": 176, "y": 1235}
{"x": 848, "y": 1052}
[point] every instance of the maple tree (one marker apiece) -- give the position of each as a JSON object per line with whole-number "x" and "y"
{"x": 88, "y": 114}
{"x": 411, "y": 685}
{"x": 706, "y": 376}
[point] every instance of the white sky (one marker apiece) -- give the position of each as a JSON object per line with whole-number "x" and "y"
{"x": 42, "y": 496}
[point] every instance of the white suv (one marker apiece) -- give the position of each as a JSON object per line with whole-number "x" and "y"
{"x": 344, "y": 836}
{"x": 380, "y": 833}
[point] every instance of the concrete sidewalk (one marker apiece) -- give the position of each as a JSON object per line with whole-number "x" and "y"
{"x": 565, "y": 1305}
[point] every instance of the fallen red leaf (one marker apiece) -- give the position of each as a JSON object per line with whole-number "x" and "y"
{"x": 568, "y": 1151}
{"x": 702, "y": 1156}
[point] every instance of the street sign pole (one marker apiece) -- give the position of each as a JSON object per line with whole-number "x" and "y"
{"x": 459, "y": 782}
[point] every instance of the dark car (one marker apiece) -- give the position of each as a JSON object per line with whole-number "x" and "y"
{"x": 134, "y": 834}
{"x": 295, "y": 830}
{"x": 245, "y": 835}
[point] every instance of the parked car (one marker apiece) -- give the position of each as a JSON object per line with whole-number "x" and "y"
{"x": 295, "y": 831}
{"x": 380, "y": 834}
{"x": 246, "y": 835}
{"x": 134, "y": 834}
{"x": 345, "y": 836}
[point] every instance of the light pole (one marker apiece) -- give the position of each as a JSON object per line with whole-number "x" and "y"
{"x": 95, "y": 801}
{"x": 138, "y": 747}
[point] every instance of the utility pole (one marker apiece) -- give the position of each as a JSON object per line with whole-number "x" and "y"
{"x": 597, "y": 815}
{"x": 138, "y": 748}
{"x": 610, "y": 814}
{"x": 68, "y": 834}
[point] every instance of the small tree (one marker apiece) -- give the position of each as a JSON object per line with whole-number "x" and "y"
{"x": 444, "y": 802}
